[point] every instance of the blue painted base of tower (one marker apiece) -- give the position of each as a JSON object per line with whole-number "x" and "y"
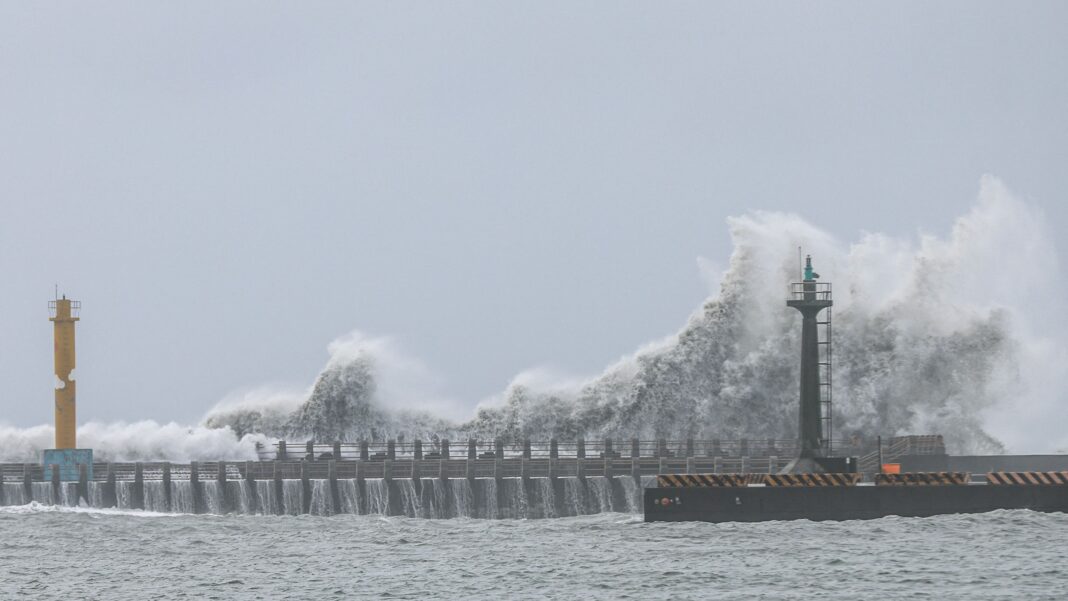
{"x": 68, "y": 462}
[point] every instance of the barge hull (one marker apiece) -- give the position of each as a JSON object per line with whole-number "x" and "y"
{"x": 767, "y": 503}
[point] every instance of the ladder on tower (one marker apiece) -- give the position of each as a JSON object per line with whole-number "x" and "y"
{"x": 824, "y": 335}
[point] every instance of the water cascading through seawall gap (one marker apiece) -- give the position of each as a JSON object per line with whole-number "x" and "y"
{"x": 506, "y": 498}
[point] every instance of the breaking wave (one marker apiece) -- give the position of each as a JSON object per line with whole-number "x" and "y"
{"x": 956, "y": 335}
{"x": 931, "y": 336}
{"x": 137, "y": 441}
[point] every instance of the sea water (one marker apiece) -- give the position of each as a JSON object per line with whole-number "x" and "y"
{"x": 77, "y": 552}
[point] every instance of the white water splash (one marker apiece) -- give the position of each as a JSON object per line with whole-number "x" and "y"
{"x": 955, "y": 335}
{"x": 136, "y": 441}
{"x": 959, "y": 335}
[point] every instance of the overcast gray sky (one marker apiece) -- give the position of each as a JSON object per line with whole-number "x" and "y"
{"x": 227, "y": 187}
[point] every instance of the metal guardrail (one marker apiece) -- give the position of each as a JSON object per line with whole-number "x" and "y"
{"x": 411, "y": 468}
{"x": 500, "y": 449}
{"x": 898, "y": 447}
{"x": 481, "y": 459}
{"x": 809, "y": 291}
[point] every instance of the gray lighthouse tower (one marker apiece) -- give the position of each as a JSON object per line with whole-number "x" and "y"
{"x": 810, "y": 298}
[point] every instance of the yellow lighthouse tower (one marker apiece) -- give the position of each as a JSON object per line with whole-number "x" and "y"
{"x": 64, "y": 313}
{"x": 67, "y": 457}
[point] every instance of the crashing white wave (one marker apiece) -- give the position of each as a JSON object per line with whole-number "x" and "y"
{"x": 136, "y": 441}
{"x": 956, "y": 335}
{"x": 936, "y": 335}
{"x": 34, "y": 507}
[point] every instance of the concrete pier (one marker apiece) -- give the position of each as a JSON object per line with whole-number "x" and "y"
{"x": 253, "y": 491}
{"x": 550, "y": 477}
{"x": 306, "y": 489}
{"x": 168, "y": 493}
{"x": 137, "y": 500}
{"x": 83, "y": 484}
{"x": 110, "y": 496}
{"x": 27, "y": 481}
{"x": 759, "y": 504}
{"x": 57, "y": 485}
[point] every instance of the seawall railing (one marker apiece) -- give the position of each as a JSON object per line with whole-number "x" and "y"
{"x": 550, "y": 449}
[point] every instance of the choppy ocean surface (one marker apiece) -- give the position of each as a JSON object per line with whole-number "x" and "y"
{"x": 77, "y": 553}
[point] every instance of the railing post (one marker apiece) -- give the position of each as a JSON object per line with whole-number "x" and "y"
{"x": 281, "y": 456}
{"x": 690, "y": 465}
{"x": 772, "y": 449}
{"x": 554, "y": 449}
{"x": 498, "y": 448}
{"x": 527, "y": 453}
{"x": 309, "y": 450}
{"x": 391, "y": 449}
{"x": 365, "y": 452}
{"x": 690, "y": 448}
{"x": 472, "y": 448}
{"x": 445, "y": 448}
{"x": 635, "y": 448}
{"x": 418, "y": 450}
{"x": 661, "y": 447}
{"x": 608, "y": 447}
{"x": 580, "y": 448}
{"x": 879, "y": 441}
{"x": 663, "y": 465}
{"x": 743, "y": 447}
{"x": 337, "y": 450}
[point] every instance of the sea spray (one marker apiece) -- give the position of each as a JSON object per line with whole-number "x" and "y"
{"x": 956, "y": 336}
{"x": 137, "y": 441}
{"x": 919, "y": 348}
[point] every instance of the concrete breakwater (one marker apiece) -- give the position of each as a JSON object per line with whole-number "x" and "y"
{"x": 490, "y": 498}
{"x": 490, "y": 488}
